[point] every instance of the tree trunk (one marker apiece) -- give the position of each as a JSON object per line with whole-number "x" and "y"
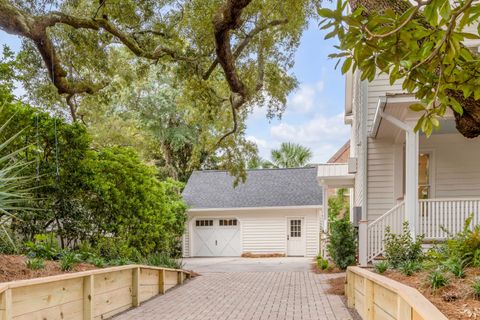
{"x": 467, "y": 124}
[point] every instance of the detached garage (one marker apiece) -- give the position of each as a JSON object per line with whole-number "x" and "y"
{"x": 274, "y": 211}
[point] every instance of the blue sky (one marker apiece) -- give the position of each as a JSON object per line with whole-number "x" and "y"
{"x": 314, "y": 114}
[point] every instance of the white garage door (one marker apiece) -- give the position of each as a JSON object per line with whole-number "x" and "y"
{"x": 216, "y": 238}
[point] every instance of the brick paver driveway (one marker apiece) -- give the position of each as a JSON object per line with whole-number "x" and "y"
{"x": 283, "y": 290}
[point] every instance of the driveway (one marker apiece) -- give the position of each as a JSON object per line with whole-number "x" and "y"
{"x": 246, "y": 289}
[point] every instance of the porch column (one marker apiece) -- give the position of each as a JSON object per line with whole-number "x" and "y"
{"x": 411, "y": 180}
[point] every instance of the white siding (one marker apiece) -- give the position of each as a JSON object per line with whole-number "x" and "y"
{"x": 264, "y": 230}
{"x": 380, "y": 177}
{"x": 379, "y": 87}
{"x": 186, "y": 240}
{"x": 456, "y": 170}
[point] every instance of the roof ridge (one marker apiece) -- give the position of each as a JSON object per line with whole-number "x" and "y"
{"x": 260, "y": 169}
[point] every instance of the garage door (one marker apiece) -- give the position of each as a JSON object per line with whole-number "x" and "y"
{"x": 216, "y": 238}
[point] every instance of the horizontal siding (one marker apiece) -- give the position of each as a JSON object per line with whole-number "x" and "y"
{"x": 379, "y": 87}
{"x": 380, "y": 178}
{"x": 186, "y": 241}
{"x": 456, "y": 165}
{"x": 264, "y": 231}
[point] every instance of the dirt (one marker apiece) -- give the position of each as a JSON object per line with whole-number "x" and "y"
{"x": 330, "y": 269}
{"x": 13, "y": 267}
{"x": 337, "y": 285}
{"x": 262, "y": 255}
{"x": 456, "y": 300}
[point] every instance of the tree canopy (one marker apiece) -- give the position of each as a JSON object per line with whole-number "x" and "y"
{"x": 421, "y": 43}
{"x": 221, "y": 58}
{"x": 289, "y": 155}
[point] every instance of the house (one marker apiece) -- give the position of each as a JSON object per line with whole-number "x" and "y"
{"x": 276, "y": 211}
{"x": 396, "y": 174}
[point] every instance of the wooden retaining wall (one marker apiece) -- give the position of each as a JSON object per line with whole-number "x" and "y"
{"x": 95, "y": 294}
{"x": 377, "y": 297}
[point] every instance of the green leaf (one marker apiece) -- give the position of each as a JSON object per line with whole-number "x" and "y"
{"x": 417, "y": 107}
{"x": 346, "y": 65}
{"x": 456, "y": 106}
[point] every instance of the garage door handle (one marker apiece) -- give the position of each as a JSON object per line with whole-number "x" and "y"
{"x": 215, "y": 242}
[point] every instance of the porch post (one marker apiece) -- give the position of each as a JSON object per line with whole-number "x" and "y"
{"x": 411, "y": 180}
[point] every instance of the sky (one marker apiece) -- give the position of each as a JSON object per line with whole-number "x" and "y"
{"x": 314, "y": 113}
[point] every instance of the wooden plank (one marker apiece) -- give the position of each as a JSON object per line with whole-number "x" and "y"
{"x": 72, "y": 310}
{"x": 136, "y": 287}
{"x": 112, "y": 280}
{"x": 148, "y": 277}
{"x": 386, "y": 299}
{"x": 104, "y": 303}
{"x": 6, "y": 305}
{"x": 148, "y": 291}
{"x": 179, "y": 277}
{"x": 350, "y": 289}
{"x": 170, "y": 279}
{"x": 380, "y": 314}
{"x": 88, "y": 294}
{"x": 45, "y": 295}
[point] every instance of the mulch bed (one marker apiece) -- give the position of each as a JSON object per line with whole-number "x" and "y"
{"x": 262, "y": 255}
{"x": 12, "y": 267}
{"x": 330, "y": 269}
{"x": 456, "y": 300}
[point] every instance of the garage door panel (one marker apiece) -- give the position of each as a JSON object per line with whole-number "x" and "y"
{"x": 216, "y": 239}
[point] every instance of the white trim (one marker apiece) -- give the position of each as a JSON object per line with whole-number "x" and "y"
{"x": 254, "y": 208}
{"x": 432, "y": 170}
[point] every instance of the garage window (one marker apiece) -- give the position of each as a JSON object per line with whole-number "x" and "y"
{"x": 228, "y": 222}
{"x": 204, "y": 223}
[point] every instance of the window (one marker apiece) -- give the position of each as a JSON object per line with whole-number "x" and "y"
{"x": 204, "y": 223}
{"x": 228, "y": 222}
{"x": 295, "y": 228}
{"x": 423, "y": 176}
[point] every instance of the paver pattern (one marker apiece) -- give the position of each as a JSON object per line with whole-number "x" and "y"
{"x": 246, "y": 296}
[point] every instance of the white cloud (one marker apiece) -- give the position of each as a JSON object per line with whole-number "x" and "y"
{"x": 306, "y": 97}
{"x": 323, "y": 135}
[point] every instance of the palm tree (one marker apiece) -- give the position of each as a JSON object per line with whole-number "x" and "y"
{"x": 289, "y": 155}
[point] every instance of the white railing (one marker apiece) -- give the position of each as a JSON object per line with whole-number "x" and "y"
{"x": 394, "y": 219}
{"x": 440, "y": 217}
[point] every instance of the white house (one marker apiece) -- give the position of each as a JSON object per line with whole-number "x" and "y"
{"x": 276, "y": 211}
{"x": 396, "y": 174}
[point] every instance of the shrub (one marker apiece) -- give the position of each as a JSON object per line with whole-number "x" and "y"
{"x": 35, "y": 263}
{"x": 400, "y": 248}
{"x": 381, "y": 267}
{"x": 454, "y": 265}
{"x": 97, "y": 262}
{"x": 116, "y": 249}
{"x": 409, "y": 267}
{"x": 44, "y": 246}
{"x": 322, "y": 263}
{"x": 342, "y": 245}
{"x": 476, "y": 288}
{"x": 437, "y": 279}
{"x": 8, "y": 243}
{"x": 68, "y": 260}
{"x": 163, "y": 260}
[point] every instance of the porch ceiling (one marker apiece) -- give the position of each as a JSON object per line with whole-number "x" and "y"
{"x": 335, "y": 175}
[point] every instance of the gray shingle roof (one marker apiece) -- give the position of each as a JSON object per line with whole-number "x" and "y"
{"x": 263, "y": 188}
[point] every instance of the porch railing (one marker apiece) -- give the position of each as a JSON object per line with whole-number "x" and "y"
{"x": 394, "y": 219}
{"x": 440, "y": 217}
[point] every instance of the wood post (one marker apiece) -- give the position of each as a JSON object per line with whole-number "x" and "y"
{"x": 369, "y": 299}
{"x": 6, "y": 305}
{"x": 179, "y": 277}
{"x": 136, "y": 287}
{"x": 350, "y": 289}
{"x": 88, "y": 292}
{"x": 404, "y": 311}
{"x": 161, "y": 283}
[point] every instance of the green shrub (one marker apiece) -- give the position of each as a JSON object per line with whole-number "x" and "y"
{"x": 68, "y": 260}
{"x": 436, "y": 279}
{"x": 163, "y": 260}
{"x": 476, "y": 288}
{"x": 44, "y": 246}
{"x": 35, "y": 263}
{"x": 409, "y": 267}
{"x": 381, "y": 267}
{"x": 8, "y": 243}
{"x": 116, "y": 249}
{"x": 342, "y": 245}
{"x": 322, "y": 263}
{"x": 400, "y": 248}
{"x": 97, "y": 262}
{"x": 454, "y": 265}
